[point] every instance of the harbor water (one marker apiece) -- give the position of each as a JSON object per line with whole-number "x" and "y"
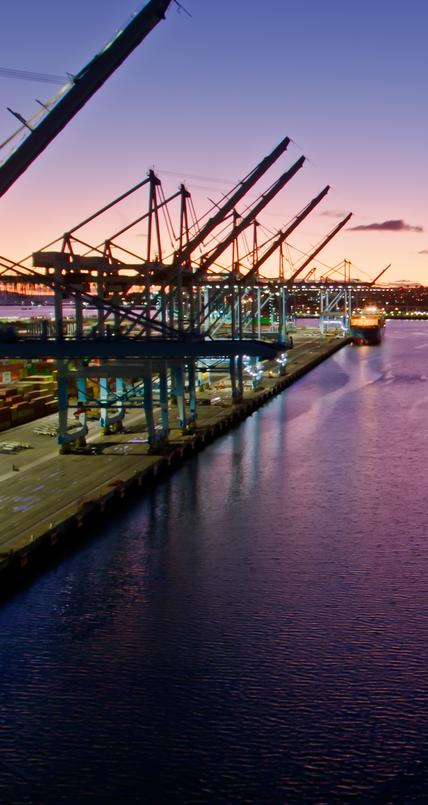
{"x": 255, "y": 630}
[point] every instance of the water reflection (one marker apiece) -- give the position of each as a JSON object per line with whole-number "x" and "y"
{"x": 256, "y": 629}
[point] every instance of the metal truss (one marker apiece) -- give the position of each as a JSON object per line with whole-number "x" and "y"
{"x": 140, "y": 324}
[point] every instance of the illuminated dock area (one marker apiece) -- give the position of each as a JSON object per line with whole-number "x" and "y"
{"x": 49, "y": 500}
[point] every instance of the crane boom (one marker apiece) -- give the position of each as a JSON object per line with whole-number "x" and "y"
{"x": 379, "y": 275}
{"x": 284, "y": 235}
{"x": 84, "y": 85}
{"x": 316, "y": 251}
{"x": 265, "y": 199}
{"x": 233, "y": 200}
{"x": 310, "y": 274}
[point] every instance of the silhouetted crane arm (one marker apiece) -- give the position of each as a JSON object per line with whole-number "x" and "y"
{"x": 284, "y": 235}
{"x": 311, "y": 273}
{"x": 85, "y": 85}
{"x": 265, "y": 199}
{"x": 233, "y": 200}
{"x": 379, "y": 275}
{"x": 326, "y": 240}
{"x": 327, "y": 274}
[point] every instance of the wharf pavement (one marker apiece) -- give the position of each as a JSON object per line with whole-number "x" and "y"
{"x": 46, "y": 498}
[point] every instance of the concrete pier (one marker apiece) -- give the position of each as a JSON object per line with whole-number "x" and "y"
{"x": 49, "y": 500}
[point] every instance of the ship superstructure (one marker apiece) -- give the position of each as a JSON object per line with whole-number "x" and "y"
{"x": 367, "y": 326}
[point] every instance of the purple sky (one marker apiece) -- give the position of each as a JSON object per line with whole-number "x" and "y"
{"x": 203, "y": 99}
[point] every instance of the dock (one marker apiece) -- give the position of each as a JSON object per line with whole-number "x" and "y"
{"x": 48, "y": 500}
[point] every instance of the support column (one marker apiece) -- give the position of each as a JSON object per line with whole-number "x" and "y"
{"x": 163, "y": 395}
{"x": 62, "y": 386}
{"x": 58, "y": 298}
{"x": 347, "y": 323}
{"x": 192, "y": 391}
{"x": 253, "y": 312}
{"x": 120, "y": 397}
{"x": 322, "y": 302}
{"x": 232, "y": 311}
{"x": 82, "y": 399}
{"x": 148, "y": 405}
{"x": 206, "y": 304}
{"x": 82, "y": 394}
{"x": 236, "y": 378}
{"x": 107, "y": 419}
{"x": 240, "y": 376}
{"x": 66, "y": 437}
{"x": 232, "y": 371}
{"x": 103, "y": 404}
{"x": 239, "y": 312}
{"x": 282, "y": 317}
{"x": 179, "y": 393}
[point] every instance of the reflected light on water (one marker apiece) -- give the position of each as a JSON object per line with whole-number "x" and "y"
{"x": 256, "y": 629}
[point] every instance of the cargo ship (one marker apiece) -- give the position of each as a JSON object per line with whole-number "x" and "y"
{"x": 367, "y": 326}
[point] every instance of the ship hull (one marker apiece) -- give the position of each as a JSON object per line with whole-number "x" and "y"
{"x": 366, "y": 336}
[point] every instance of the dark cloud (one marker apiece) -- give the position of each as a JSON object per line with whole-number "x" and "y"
{"x": 396, "y": 225}
{"x": 423, "y": 251}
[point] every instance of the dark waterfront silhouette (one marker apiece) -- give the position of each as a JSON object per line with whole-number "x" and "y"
{"x": 256, "y": 629}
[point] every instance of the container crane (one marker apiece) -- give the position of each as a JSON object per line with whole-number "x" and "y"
{"x": 243, "y": 187}
{"x": 373, "y": 282}
{"x": 316, "y": 251}
{"x": 327, "y": 275}
{"x": 82, "y": 87}
{"x": 209, "y": 259}
{"x": 310, "y": 274}
{"x": 183, "y": 255}
{"x": 284, "y": 235}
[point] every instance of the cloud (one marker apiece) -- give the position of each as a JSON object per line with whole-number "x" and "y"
{"x": 395, "y": 225}
{"x": 333, "y": 214}
{"x": 423, "y": 251}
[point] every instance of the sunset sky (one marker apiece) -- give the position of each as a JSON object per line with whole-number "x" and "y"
{"x": 206, "y": 96}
